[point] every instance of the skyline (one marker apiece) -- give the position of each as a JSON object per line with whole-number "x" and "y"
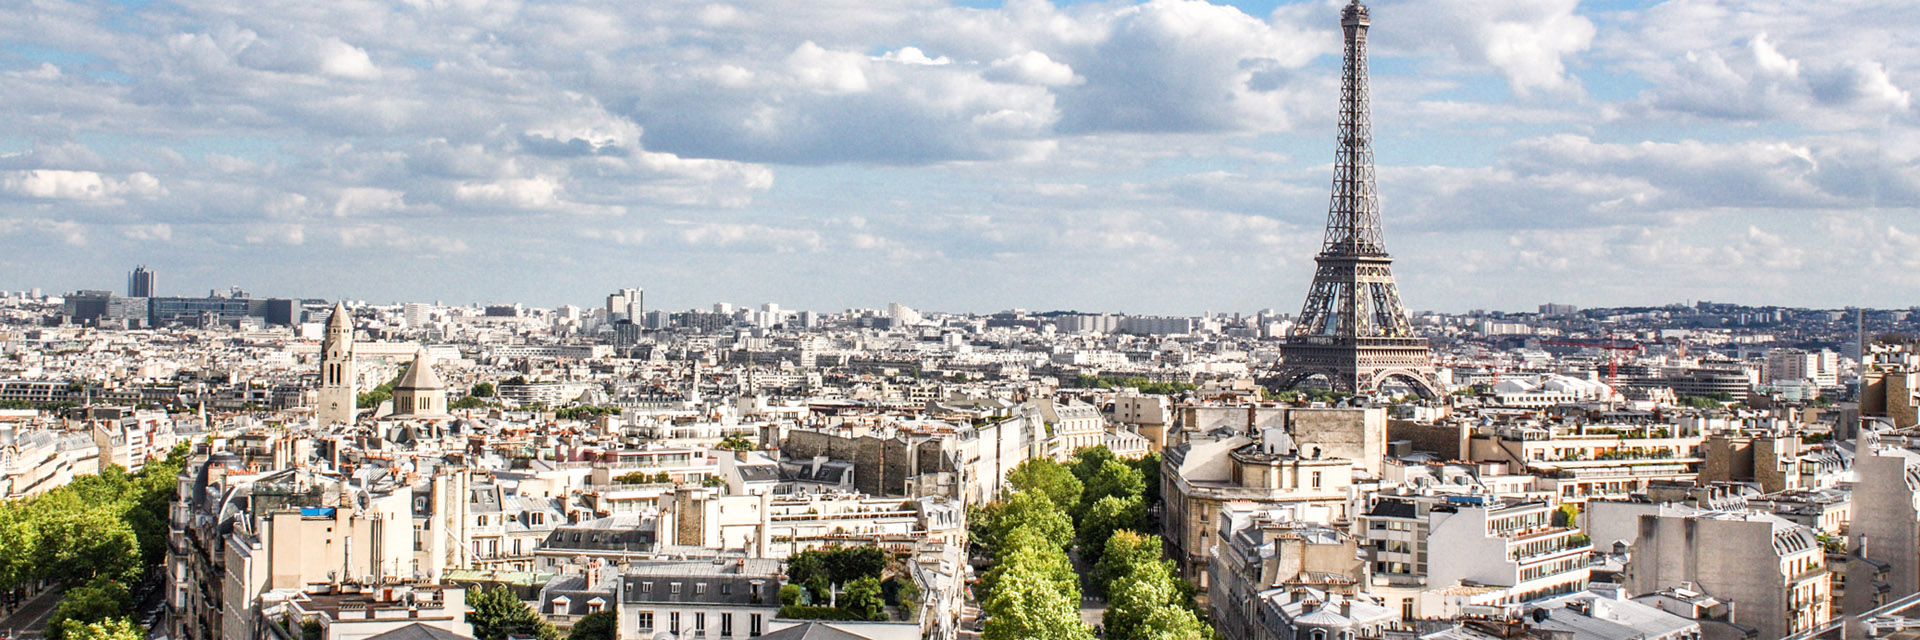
{"x": 1597, "y": 154}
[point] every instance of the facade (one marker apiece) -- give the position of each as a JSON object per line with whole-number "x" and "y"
{"x": 1073, "y": 426}
{"x": 1773, "y": 571}
{"x": 1884, "y": 565}
{"x": 723, "y": 597}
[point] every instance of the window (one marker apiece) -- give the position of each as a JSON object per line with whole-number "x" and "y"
{"x": 673, "y": 622}
{"x": 1316, "y": 479}
{"x": 753, "y": 625}
{"x": 699, "y": 623}
{"x": 700, "y": 589}
{"x": 726, "y": 624}
{"x": 676, "y": 588}
{"x": 646, "y": 622}
{"x": 726, "y": 588}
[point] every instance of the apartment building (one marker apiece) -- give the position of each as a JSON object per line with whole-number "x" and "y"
{"x": 1773, "y": 571}
{"x": 1201, "y": 476}
{"x": 1262, "y": 551}
{"x": 1512, "y": 546}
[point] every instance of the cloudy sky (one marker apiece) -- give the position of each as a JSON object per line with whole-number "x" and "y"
{"x": 1171, "y": 156}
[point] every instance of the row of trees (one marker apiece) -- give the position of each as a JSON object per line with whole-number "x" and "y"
{"x": 94, "y": 536}
{"x": 1144, "y": 385}
{"x": 1102, "y": 505}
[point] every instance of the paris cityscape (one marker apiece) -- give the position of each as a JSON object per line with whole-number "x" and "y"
{"x": 1510, "y": 437}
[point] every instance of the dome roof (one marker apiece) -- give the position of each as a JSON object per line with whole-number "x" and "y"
{"x": 420, "y": 375}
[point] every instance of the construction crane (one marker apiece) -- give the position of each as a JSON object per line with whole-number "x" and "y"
{"x": 1613, "y": 348}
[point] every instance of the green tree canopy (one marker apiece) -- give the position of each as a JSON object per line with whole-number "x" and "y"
{"x": 1149, "y": 468}
{"x": 1028, "y": 550}
{"x": 1124, "y": 550}
{"x": 108, "y": 629}
{"x": 599, "y": 625}
{"x": 1136, "y": 597}
{"x": 1034, "y": 509}
{"x": 93, "y": 602}
{"x": 1051, "y": 478}
{"x": 1113, "y": 478}
{"x": 496, "y": 613}
{"x": 1173, "y": 623}
{"x": 1027, "y": 605}
{"x": 1110, "y": 514}
{"x": 1087, "y": 461}
{"x": 863, "y": 600}
{"x": 482, "y": 390}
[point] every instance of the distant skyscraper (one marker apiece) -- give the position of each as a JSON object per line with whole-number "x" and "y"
{"x": 416, "y": 314}
{"x": 630, "y": 304}
{"x": 140, "y": 284}
{"x": 1352, "y": 329}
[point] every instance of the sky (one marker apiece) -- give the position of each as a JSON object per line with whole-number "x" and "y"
{"x": 1169, "y": 156}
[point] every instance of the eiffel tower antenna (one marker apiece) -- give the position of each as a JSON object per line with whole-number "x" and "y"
{"x": 1352, "y": 330}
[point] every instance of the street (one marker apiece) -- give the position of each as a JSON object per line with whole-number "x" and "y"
{"x": 28, "y": 621}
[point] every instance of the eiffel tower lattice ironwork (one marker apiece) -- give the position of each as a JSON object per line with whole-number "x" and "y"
{"x": 1352, "y": 329}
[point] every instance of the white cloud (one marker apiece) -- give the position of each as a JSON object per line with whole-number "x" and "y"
{"x": 89, "y": 186}
{"x": 831, "y": 72}
{"x": 1032, "y": 67}
{"x": 343, "y": 60}
{"x": 522, "y": 193}
{"x": 913, "y": 55}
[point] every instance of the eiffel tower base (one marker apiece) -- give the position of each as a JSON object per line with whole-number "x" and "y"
{"x": 1358, "y": 365}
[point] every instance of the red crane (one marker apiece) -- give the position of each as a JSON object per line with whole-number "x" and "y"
{"x": 1611, "y": 346}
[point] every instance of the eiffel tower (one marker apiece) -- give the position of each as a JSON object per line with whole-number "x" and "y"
{"x": 1352, "y": 330}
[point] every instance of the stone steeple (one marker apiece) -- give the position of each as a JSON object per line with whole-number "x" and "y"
{"x": 337, "y": 379}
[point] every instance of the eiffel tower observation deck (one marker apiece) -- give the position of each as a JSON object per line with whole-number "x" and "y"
{"x": 1352, "y": 331}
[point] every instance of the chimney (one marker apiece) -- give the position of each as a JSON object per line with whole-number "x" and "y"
{"x": 1346, "y": 607}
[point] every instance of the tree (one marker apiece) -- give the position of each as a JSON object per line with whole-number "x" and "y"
{"x": 863, "y": 601}
{"x": 848, "y": 564}
{"x": 792, "y": 594}
{"x": 1124, "y": 551}
{"x": 599, "y": 625}
{"x": 1028, "y": 551}
{"x": 495, "y": 613}
{"x": 1114, "y": 478}
{"x": 1173, "y": 623}
{"x": 1051, "y": 478}
{"x": 1034, "y": 509}
{"x": 1149, "y": 468}
{"x": 95, "y": 601}
{"x": 1110, "y": 514}
{"x": 1027, "y": 605}
{"x": 1567, "y": 515}
{"x": 1087, "y": 462}
{"x": 482, "y": 390}
{"x": 983, "y": 531}
{"x": 89, "y": 543}
{"x": 469, "y": 402}
{"x": 109, "y": 629}
{"x": 1135, "y": 598}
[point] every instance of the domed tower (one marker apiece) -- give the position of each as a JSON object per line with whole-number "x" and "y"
{"x": 420, "y": 391}
{"x": 337, "y": 394}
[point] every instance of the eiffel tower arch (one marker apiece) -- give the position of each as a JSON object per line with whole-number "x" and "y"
{"x": 1352, "y": 329}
